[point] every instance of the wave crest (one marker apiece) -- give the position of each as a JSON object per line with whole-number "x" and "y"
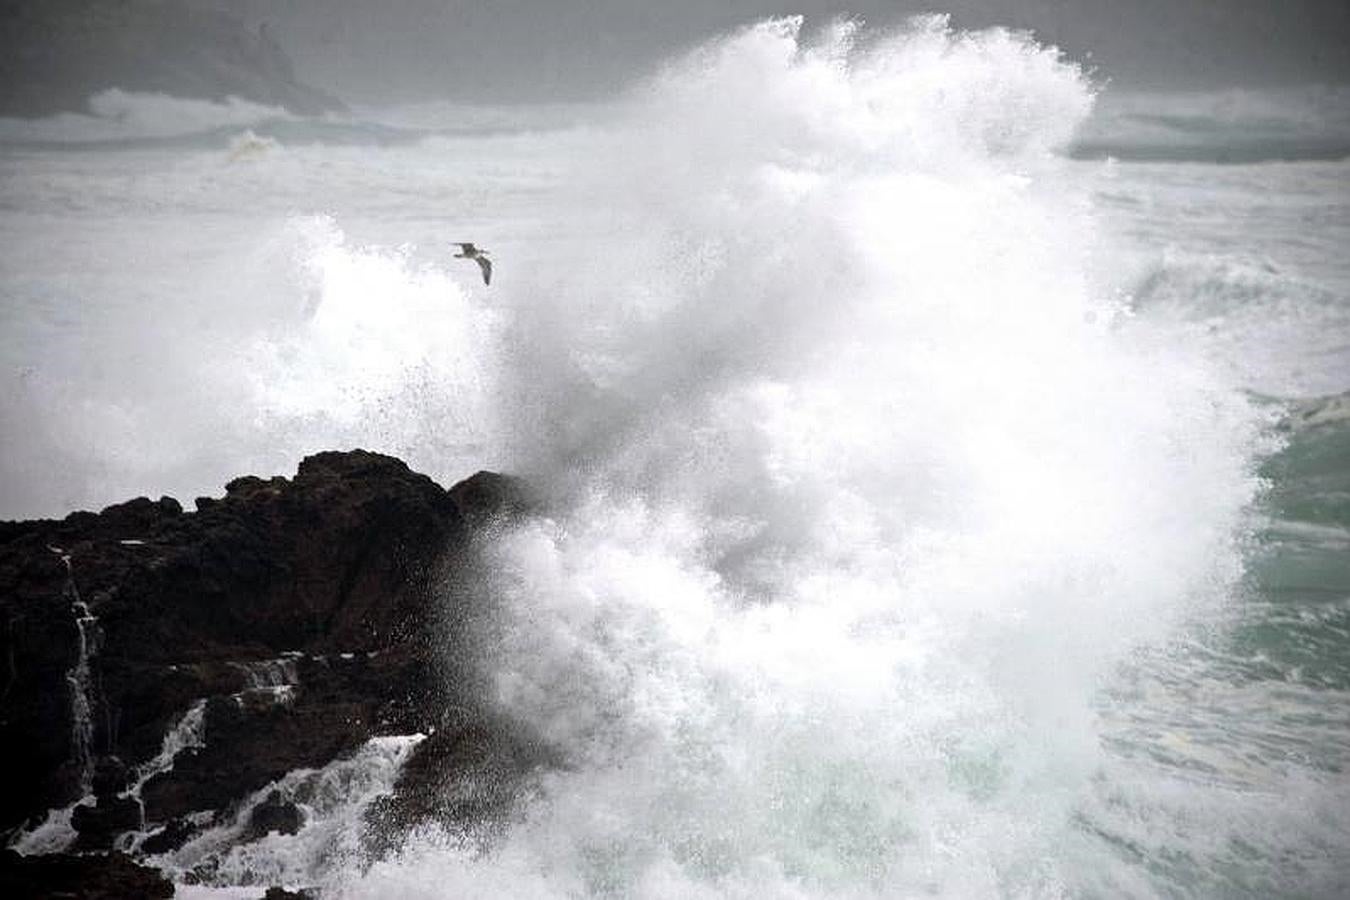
{"x": 118, "y": 115}
{"x": 860, "y": 488}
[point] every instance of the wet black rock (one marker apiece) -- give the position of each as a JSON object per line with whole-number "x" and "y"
{"x": 97, "y": 877}
{"x": 274, "y": 815}
{"x": 170, "y": 837}
{"x": 299, "y": 618}
{"x": 277, "y": 893}
{"x": 111, "y": 777}
{"x": 99, "y": 825}
{"x": 466, "y": 777}
{"x": 488, "y": 498}
{"x": 334, "y": 569}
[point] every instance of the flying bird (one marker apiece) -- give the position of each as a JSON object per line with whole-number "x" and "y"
{"x": 469, "y": 251}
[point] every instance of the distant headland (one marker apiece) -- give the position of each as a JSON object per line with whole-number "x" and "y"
{"x": 56, "y": 54}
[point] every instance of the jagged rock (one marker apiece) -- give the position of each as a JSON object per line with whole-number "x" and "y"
{"x": 467, "y": 775}
{"x": 110, "y": 877}
{"x": 170, "y": 837}
{"x": 309, "y": 614}
{"x": 111, "y": 777}
{"x": 98, "y": 825}
{"x": 487, "y": 497}
{"x": 277, "y": 893}
{"x": 340, "y": 559}
{"x": 274, "y": 814}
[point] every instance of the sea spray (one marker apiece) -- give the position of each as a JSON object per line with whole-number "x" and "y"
{"x": 861, "y": 488}
{"x": 373, "y": 347}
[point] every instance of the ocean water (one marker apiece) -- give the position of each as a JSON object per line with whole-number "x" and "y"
{"x": 948, "y": 485}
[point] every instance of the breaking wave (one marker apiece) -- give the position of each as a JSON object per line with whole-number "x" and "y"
{"x": 860, "y": 489}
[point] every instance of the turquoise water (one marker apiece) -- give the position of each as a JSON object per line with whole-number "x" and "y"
{"x": 1246, "y": 711}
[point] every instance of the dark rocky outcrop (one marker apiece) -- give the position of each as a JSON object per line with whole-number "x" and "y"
{"x": 111, "y": 777}
{"x": 276, "y": 893}
{"x": 308, "y": 615}
{"x": 466, "y": 776}
{"x": 55, "y": 54}
{"x": 111, "y": 877}
{"x": 339, "y": 559}
{"x": 487, "y": 498}
{"x": 99, "y": 825}
{"x": 170, "y": 837}
{"x": 274, "y": 815}
{"x": 111, "y": 814}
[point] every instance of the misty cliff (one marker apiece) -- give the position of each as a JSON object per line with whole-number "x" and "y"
{"x": 55, "y": 54}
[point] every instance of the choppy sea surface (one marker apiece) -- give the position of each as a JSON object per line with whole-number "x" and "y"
{"x": 950, "y": 482}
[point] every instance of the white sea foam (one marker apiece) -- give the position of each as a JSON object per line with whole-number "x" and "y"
{"x": 53, "y": 834}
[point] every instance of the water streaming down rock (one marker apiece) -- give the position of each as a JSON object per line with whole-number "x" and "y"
{"x": 82, "y": 723}
{"x": 187, "y": 733}
{"x": 274, "y": 680}
{"x": 326, "y": 840}
{"x": 54, "y": 832}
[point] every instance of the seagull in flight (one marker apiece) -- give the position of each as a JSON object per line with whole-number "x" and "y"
{"x": 469, "y": 251}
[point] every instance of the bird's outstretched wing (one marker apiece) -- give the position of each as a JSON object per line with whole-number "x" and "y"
{"x": 486, "y": 265}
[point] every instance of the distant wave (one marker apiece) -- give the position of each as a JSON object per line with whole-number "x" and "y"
{"x": 119, "y": 118}
{"x": 1234, "y": 126}
{"x": 116, "y": 115}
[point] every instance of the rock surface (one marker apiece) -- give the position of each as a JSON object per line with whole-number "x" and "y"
{"x": 298, "y": 617}
{"x": 466, "y": 776}
{"x": 276, "y": 893}
{"x": 111, "y": 877}
{"x": 274, "y": 815}
{"x": 99, "y": 825}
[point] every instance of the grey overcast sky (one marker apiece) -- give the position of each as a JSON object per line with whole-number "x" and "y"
{"x": 556, "y": 49}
